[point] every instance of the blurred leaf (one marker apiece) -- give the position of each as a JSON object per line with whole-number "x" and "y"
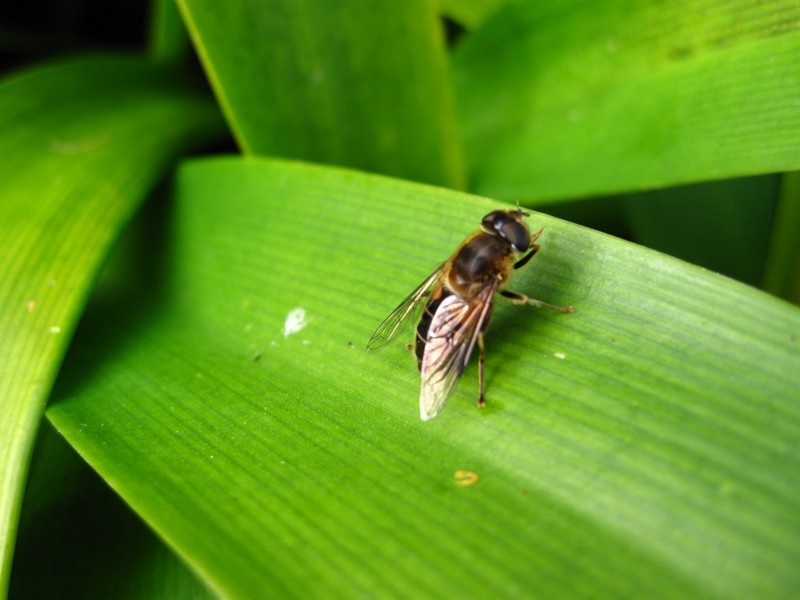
{"x": 169, "y": 42}
{"x": 783, "y": 266}
{"x": 82, "y": 141}
{"x": 469, "y": 13}
{"x": 83, "y": 537}
{"x": 643, "y": 446}
{"x": 569, "y": 99}
{"x": 720, "y": 225}
{"x": 351, "y": 82}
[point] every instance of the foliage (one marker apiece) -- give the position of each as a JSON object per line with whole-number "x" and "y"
{"x": 642, "y": 446}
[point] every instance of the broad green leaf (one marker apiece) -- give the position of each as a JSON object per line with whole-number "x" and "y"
{"x": 643, "y": 446}
{"x": 168, "y": 41}
{"x": 77, "y": 539}
{"x": 722, "y": 225}
{"x": 82, "y": 141}
{"x": 351, "y": 82}
{"x": 569, "y": 99}
{"x": 469, "y": 13}
{"x": 783, "y": 266}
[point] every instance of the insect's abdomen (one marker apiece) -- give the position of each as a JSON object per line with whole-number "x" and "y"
{"x": 424, "y": 325}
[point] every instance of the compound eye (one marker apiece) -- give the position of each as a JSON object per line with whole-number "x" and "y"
{"x": 516, "y": 234}
{"x": 509, "y": 226}
{"x": 493, "y": 221}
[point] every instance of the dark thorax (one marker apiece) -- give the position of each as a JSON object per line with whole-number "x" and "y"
{"x": 483, "y": 257}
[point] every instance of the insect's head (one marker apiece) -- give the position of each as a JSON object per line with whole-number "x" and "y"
{"x": 510, "y": 226}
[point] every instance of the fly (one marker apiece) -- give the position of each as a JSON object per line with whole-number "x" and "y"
{"x": 458, "y": 299}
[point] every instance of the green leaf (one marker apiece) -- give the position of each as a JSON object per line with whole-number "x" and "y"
{"x": 575, "y": 98}
{"x": 168, "y": 41}
{"x": 82, "y": 141}
{"x": 349, "y": 82}
{"x": 469, "y": 13}
{"x": 643, "y": 446}
{"x": 783, "y": 265}
{"x": 87, "y": 541}
{"x": 721, "y": 225}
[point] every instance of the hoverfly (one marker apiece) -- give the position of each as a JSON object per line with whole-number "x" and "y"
{"x": 459, "y": 297}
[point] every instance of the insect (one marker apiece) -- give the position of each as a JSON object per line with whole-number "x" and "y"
{"x": 458, "y": 301}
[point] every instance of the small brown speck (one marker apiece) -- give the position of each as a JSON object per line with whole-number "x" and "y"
{"x": 257, "y": 357}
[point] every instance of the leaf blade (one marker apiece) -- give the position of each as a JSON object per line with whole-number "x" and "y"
{"x": 73, "y": 172}
{"x": 111, "y": 553}
{"x": 583, "y": 99}
{"x": 305, "y": 460}
{"x": 347, "y": 83}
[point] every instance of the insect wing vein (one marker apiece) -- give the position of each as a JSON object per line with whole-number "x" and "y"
{"x": 451, "y": 338}
{"x": 390, "y": 326}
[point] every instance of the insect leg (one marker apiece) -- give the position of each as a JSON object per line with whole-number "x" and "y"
{"x": 481, "y": 361}
{"x": 524, "y": 260}
{"x": 523, "y": 299}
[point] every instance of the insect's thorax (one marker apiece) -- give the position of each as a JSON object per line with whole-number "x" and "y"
{"x": 481, "y": 258}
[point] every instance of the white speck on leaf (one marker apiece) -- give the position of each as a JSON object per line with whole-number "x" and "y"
{"x": 560, "y": 355}
{"x": 295, "y": 321}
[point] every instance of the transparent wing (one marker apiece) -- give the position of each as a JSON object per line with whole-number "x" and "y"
{"x": 387, "y": 330}
{"x": 451, "y": 339}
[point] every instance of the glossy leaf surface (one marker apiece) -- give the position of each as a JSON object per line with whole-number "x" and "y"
{"x": 645, "y": 442}
{"x": 569, "y": 99}
{"x": 71, "y": 174}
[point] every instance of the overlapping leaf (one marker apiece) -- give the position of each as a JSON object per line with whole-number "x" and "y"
{"x": 351, "y": 83}
{"x": 569, "y": 99}
{"x": 72, "y": 171}
{"x": 642, "y": 446}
